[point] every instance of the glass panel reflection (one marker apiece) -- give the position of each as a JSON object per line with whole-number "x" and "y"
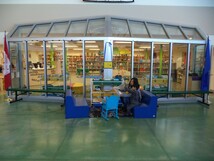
{"x": 192, "y": 33}
{"x": 119, "y": 28}
{"x": 174, "y": 32}
{"x": 138, "y": 29}
{"x": 58, "y": 29}
{"x": 96, "y": 27}
{"x": 77, "y": 28}
{"x": 22, "y": 31}
{"x": 40, "y": 30}
{"x": 156, "y": 30}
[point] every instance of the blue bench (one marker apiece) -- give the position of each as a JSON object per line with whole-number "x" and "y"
{"x": 75, "y": 107}
{"x": 148, "y": 106}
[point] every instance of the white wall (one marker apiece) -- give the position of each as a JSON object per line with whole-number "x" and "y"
{"x": 136, "y": 2}
{"x": 201, "y": 17}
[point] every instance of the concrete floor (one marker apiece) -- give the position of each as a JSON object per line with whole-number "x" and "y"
{"x": 33, "y": 131}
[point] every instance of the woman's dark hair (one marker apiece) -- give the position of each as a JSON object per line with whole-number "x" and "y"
{"x": 136, "y": 84}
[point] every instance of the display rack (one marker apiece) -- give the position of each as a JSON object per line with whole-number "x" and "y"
{"x": 101, "y": 89}
{"x": 121, "y": 62}
{"x": 73, "y": 61}
{"x": 144, "y": 68}
{"x": 93, "y": 64}
{"x": 158, "y": 82}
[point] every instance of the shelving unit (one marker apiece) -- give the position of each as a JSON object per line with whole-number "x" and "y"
{"x": 121, "y": 62}
{"x": 158, "y": 83}
{"x": 101, "y": 89}
{"x": 93, "y": 65}
{"x": 41, "y": 59}
{"x": 73, "y": 61}
{"x": 143, "y": 68}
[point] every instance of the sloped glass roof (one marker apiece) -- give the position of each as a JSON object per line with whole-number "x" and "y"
{"x": 107, "y": 27}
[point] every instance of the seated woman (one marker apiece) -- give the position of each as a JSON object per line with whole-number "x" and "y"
{"x": 134, "y": 89}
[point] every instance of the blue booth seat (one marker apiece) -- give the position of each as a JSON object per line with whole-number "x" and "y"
{"x": 75, "y": 107}
{"x": 148, "y": 106}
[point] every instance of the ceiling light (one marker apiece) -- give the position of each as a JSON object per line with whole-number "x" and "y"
{"x": 91, "y": 46}
{"x": 138, "y": 49}
{"x": 48, "y": 46}
{"x": 71, "y": 46}
{"x": 88, "y": 41}
{"x": 77, "y": 48}
{"x": 123, "y": 42}
{"x": 144, "y": 47}
{"x": 94, "y": 49}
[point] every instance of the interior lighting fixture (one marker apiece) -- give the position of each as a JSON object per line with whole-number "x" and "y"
{"x": 71, "y": 46}
{"x": 145, "y": 47}
{"x": 91, "y": 46}
{"x": 48, "y": 46}
{"x": 123, "y": 42}
{"x": 77, "y": 48}
{"x": 94, "y": 49}
{"x": 87, "y": 41}
{"x": 138, "y": 49}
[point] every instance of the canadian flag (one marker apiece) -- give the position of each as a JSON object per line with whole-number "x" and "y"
{"x": 6, "y": 67}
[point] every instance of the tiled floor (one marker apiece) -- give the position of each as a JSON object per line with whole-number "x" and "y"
{"x": 33, "y": 131}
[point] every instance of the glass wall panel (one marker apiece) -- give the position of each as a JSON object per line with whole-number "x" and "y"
{"x": 119, "y": 28}
{"x": 122, "y": 58}
{"x": 138, "y": 29}
{"x": 192, "y": 33}
{"x": 174, "y": 32}
{"x": 160, "y": 67}
{"x": 22, "y": 31}
{"x": 40, "y": 30}
{"x": 36, "y": 65}
{"x": 54, "y": 61}
{"x": 18, "y": 67}
{"x": 94, "y": 59}
{"x": 156, "y": 30}
{"x": 179, "y": 57}
{"x": 142, "y": 61}
{"x": 196, "y": 67}
{"x": 74, "y": 66}
{"x": 58, "y": 29}
{"x": 77, "y": 28}
{"x": 96, "y": 27}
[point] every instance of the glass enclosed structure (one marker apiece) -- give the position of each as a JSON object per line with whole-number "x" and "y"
{"x": 72, "y": 52}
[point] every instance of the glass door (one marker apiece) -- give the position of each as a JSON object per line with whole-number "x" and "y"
{"x": 18, "y": 64}
{"x": 36, "y": 64}
{"x": 179, "y": 56}
{"x": 74, "y": 66}
{"x": 122, "y": 59}
{"x": 160, "y": 67}
{"x": 142, "y": 61}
